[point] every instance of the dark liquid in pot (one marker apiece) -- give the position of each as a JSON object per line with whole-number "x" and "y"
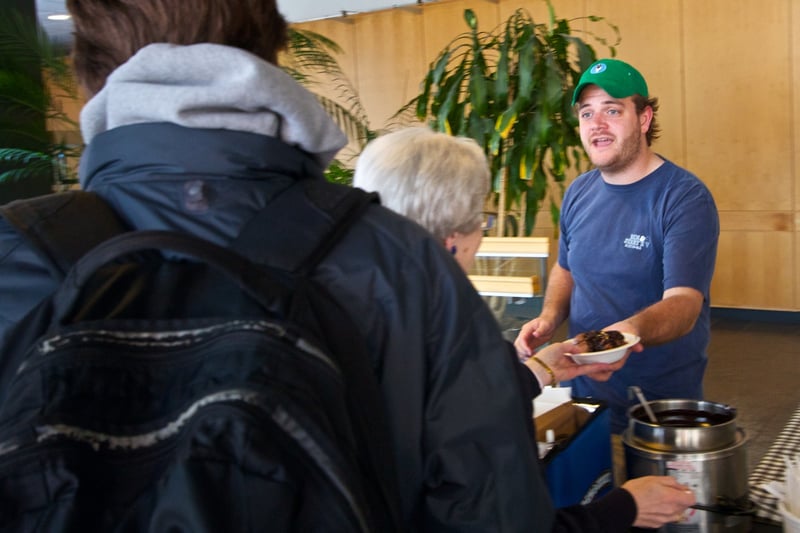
{"x": 687, "y": 418}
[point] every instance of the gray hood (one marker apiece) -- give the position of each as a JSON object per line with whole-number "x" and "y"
{"x": 212, "y": 86}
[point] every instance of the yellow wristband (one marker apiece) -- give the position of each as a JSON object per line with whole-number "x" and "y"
{"x": 553, "y": 382}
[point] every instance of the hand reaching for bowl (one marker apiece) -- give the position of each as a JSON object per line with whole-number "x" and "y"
{"x": 533, "y": 334}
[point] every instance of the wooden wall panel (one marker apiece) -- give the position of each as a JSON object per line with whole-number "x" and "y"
{"x": 756, "y": 272}
{"x": 444, "y": 21}
{"x": 737, "y": 89}
{"x": 568, "y": 9}
{"x": 795, "y": 181}
{"x": 796, "y": 270}
{"x": 390, "y": 60}
{"x": 740, "y": 141}
{"x": 340, "y": 31}
{"x": 756, "y": 221}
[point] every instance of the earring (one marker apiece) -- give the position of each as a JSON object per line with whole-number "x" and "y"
{"x": 453, "y": 250}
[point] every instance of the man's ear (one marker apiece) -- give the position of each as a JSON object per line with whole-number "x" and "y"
{"x": 645, "y": 118}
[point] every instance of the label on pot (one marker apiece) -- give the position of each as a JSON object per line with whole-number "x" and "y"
{"x": 687, "y": 473}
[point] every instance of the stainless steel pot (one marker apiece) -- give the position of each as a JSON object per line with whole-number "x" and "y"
{"x": 683, "y": 425}
{"x": 696, "y": 442}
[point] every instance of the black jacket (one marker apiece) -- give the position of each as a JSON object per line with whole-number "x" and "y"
{"x": 459, "y": 412}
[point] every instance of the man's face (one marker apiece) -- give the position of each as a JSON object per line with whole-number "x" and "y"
{"x": 613, "y": 134}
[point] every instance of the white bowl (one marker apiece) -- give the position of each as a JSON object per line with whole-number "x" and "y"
{"x": 611, "y": 355}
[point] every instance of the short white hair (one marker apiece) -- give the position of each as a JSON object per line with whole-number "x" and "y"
{"x": 437, "y": 180}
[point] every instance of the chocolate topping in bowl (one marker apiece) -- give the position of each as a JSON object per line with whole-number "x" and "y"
{"x": 599, "y": 340}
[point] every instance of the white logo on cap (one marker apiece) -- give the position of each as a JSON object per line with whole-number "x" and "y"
{"x": 598, "y": 68}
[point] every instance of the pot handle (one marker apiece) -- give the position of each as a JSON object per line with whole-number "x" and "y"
{"x": 726, "y": 506}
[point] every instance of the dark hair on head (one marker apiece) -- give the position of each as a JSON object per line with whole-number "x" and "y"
{"x": 641, "y": 103}
{"x": 108, "y": 32}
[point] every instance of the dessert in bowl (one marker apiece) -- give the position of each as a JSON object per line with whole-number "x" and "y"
{"x": 602, "y": 346}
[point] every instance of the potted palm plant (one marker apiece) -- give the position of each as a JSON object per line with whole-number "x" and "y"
{"x": 510, "y": 89}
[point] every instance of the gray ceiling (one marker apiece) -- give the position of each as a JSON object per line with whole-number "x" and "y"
{"x": 293, "y": 10}
{"x": 59, "y": 31}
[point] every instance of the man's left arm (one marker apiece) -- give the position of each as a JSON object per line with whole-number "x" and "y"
{"x": 671, "y": 317}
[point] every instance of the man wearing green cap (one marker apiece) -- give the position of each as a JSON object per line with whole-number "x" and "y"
{"x": 637, "y": 248}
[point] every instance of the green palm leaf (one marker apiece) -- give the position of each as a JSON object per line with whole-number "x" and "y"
{"x": 311, "y": 61}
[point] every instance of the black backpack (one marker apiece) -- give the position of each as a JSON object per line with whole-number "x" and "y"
{"x": 171, "y": 384}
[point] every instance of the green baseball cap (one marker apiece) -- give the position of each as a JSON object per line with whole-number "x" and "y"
{"x": 615, "y": 77}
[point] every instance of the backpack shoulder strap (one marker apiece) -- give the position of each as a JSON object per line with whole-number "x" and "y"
{"x": 298, "y": 228}
{"x": 62, "y": 227}
{"x": 304, "y": 223}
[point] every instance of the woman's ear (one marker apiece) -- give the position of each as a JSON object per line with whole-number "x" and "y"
{"x": 450, "y": 243}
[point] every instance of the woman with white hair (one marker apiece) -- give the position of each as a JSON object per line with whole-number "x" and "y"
{"x": 437, "y": 180}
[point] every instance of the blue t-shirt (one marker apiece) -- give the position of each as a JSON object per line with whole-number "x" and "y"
{"x": 624, "y": 245}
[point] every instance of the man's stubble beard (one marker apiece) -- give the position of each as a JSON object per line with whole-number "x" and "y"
{"x": 629, "y": 151}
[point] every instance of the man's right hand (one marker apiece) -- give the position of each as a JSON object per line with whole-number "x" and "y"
{"x": 533, "y": 334}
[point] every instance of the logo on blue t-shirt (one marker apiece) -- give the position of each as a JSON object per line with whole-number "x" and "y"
{"x": 636, "y": 242}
